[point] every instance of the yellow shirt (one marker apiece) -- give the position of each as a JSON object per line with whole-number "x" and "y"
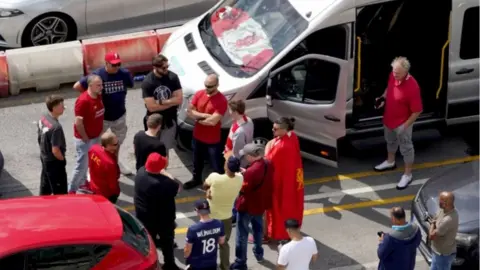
{"x": 223, "y": 190}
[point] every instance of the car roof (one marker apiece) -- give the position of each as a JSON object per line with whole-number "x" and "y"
{"x": 33, "y": 222}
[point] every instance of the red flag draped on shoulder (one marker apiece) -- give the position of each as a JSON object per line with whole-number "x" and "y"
{"x": 288, "y": 185}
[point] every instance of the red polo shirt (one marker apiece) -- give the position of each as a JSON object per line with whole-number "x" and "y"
{"x": 92, "y": 110}
{"x": 209, "y": 104}
{"x": 402, "y": 100}
{"x": 104, "y": 172}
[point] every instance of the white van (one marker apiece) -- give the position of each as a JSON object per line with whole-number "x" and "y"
{"x": 325, "y": 61}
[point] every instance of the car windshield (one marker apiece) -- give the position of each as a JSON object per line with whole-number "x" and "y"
{"x": 244, "y": 35}
{"x": 463, "y": 181}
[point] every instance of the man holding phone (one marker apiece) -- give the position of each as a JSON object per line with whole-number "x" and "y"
{"x": 398, "y": 248}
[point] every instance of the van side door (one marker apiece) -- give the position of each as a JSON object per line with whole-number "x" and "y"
{"x": 313, "y": 89}
{"x": 463, "y": 77}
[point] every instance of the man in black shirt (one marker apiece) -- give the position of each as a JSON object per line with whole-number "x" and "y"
{"x": 162, "y": 93}
{"x": 147, "y": 142}
{"x": 154, "y": 202}
{"x": 51, "y": 140}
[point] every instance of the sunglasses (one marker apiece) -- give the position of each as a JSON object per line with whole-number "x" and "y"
{"x": 210, "y": 86}
{"x": 162, "y": 67}
{"x": 116, "y": 65}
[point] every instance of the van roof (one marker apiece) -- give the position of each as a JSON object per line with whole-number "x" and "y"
{"x": 33, "y": 222}
{"x": 314, "y": 6}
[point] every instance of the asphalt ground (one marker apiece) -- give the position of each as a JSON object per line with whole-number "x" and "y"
{"x": 344, "y": 207}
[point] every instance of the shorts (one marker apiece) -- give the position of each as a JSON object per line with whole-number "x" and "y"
{"x": 118, "y": 127}
{"x": 168, "y": 136}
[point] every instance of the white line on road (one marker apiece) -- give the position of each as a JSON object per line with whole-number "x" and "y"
{"x": 368, "y": 266}
{"x": 353, "y": 191}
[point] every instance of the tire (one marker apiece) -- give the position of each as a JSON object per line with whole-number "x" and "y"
{"x": 2, "y": 163}
{"x": 49, "y": 28}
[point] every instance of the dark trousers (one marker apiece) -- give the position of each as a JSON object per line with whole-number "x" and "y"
{"x": 166, "y": 232}
{"x": 113, "y": 199}
{"x": 53, "y": 179}
{"x": 203, "y": 150}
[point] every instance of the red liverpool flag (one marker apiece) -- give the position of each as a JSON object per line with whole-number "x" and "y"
{"x": 288, "y": 185}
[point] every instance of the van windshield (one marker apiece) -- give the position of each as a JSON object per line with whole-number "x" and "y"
{"x": 244, "y": 35}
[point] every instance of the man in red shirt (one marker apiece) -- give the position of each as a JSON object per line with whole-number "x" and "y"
{"x": 207, "y": 109}
{"x": 104, "y": 169}
{"x": 88, "y": 126}
{"x": 403, "y": 106}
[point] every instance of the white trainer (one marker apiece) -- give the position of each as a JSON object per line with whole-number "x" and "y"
{"x": 404, "y": 181}
{"x": 124, "y": 170}
{"x": 385, "y": 166}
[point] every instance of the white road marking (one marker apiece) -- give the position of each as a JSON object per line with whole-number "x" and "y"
{"x": 353, "y": 191}
{"x": 368, "y": 266}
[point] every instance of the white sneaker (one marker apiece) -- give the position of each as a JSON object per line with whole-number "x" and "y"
{"x": 404, "y": 181}
{"x": 124, "y": 170}
{"x": 385, "y": 166}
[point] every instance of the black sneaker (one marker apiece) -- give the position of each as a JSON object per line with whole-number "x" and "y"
{"x": 191, "y": 184}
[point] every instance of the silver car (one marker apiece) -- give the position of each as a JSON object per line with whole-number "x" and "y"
{"x": 26, "y": 23}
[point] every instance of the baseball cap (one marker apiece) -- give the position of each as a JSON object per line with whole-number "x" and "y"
{"x": 202, "y": 207}
{"x": 292, "y": 224}
{"x": 155, "y": 163}
{"x": 112, "y": 58}
{"x": 233, "y": 164}
{"x": 252, "y": 149}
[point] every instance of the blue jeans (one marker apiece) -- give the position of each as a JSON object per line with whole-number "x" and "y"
{"x": 234, "y": 211}
{"x": 243, "y": 222}
{"x": 80, "y": 170}
{"x": 442, "y": 262}
{"x": 200, "y": 152}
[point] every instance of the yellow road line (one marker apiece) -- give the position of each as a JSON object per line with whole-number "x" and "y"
{"x": 351, "y": 176}
{"x": 342, "y": 207}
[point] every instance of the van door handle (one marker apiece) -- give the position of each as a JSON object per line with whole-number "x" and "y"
{"x": 332, "y": 118}
{"x": 465, "y": 71}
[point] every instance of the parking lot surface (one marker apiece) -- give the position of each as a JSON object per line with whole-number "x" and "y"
{"x": 344, "y": 207}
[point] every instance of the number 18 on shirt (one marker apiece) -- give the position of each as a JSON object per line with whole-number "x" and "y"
{"x": 204, "y": 237}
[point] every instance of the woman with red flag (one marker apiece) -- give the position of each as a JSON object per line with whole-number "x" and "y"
{"x": 287, "y": 195}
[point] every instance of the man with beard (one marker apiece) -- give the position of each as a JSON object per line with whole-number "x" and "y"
{"x": 207, "y": 109}
{"x": 162, "y": 93}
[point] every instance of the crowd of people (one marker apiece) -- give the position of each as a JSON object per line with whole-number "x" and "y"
{"x": 251, "y": 185}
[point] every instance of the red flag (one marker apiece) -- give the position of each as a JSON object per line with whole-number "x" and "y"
{"x": 288, "y": 185}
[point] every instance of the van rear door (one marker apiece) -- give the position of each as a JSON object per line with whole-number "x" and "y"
{"x": 313, "y": 90}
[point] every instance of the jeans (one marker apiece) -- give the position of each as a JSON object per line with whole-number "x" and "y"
{"x": 80, "y": 170}
{"x": 53, "y": 179}
{"x": 243, "y": 220}
{"x": 214, "y": 154}
{"x": 234, "y": 211}
{"x": 442, "y": 262}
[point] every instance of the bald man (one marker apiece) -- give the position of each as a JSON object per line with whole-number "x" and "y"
{"x": 207, "y": 109}
{"x": 443, "y": 230}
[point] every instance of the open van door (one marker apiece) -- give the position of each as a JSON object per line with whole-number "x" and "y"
{"x": 313, "y": 90}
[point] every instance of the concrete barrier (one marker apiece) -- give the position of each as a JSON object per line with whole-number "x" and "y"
{"x": 44, "y": 67}
{"x": 3, "y": 76}
{"x": 136, "y": 50}
{"x": 163, "y": 35}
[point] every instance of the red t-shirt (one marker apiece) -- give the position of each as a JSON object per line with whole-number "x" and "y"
{"x": 209, "y": 104}
{"x": 402, "y": 99}
{"x": 92, "y": 110}
{"x": 104, "y": 172}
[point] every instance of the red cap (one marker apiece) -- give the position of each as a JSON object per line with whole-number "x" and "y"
{"x": 155, "y": 163}
{"x": 112, "y": 58}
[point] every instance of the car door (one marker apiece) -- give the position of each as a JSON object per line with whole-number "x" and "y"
{"x": 463, "y": 77}
{"x": 144, "y": 14}
{"x": 313, "y": 90}
{"x": 179, "y": 11}
{"x": 105, "y": 16}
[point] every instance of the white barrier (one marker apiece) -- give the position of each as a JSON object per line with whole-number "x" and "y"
{"x": 44, "y": 67}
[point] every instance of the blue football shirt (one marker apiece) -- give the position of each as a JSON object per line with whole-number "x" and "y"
{"x": 114, "y": 91}
{"x": 204, "y": 238}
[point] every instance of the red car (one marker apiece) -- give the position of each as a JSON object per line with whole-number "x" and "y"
{"x": 72, "y": 232}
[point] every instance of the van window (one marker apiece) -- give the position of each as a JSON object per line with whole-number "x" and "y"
{"x": 312, "y": 81}
{"x": 469, "y": 42}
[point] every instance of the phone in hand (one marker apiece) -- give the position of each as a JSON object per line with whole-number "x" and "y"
{"x": 379, "y": 102}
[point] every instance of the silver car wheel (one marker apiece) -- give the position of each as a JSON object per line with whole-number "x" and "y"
{"x": 49, "y": 30}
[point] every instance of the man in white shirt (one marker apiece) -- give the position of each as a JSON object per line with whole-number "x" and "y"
{"x": 299, "y": 252}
